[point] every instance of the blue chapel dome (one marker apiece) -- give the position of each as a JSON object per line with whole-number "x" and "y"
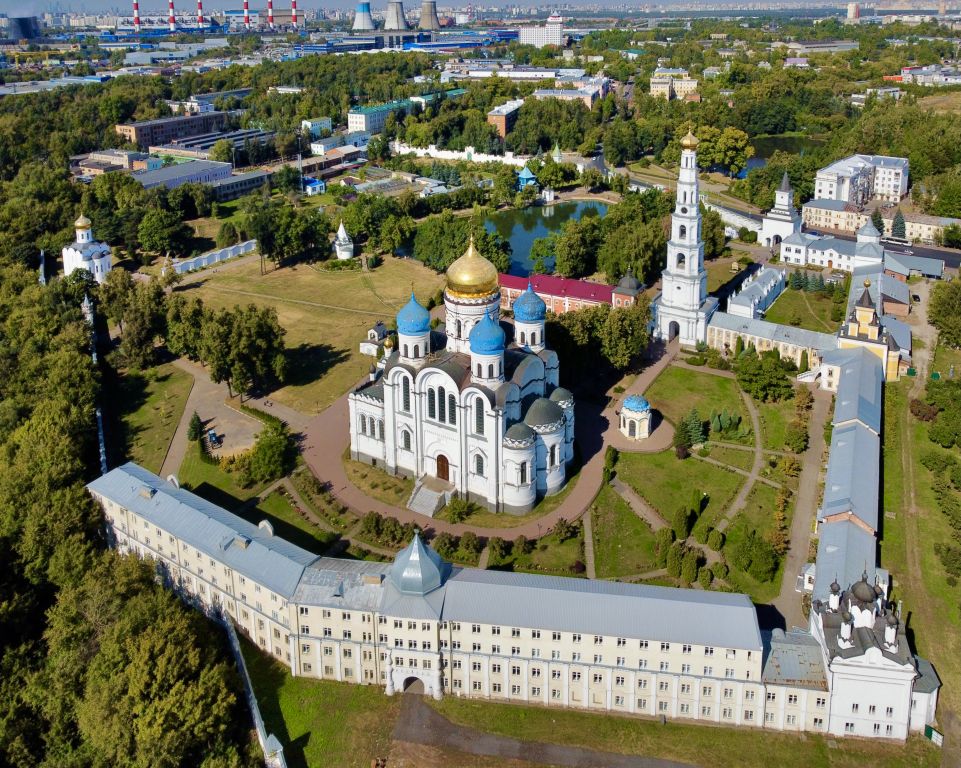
{"x": 636, "y": 403}
{"x": 413, "y": 319}
{"x": 487, "y": 337}
{"x": 529, "y": 307}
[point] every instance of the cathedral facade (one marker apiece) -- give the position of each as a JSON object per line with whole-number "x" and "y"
{"x": 468, "y": 406}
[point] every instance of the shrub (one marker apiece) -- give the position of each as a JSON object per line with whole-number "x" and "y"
{"x": 675, "y": 559}
{"x": 796, "y": 439}
{"x": 715, "y": 539}
{"x": 470, "y": 544}
{"x": 681, "y": 523}
{"x": 703, "y": 533}
{"x": 578, "y": 567}
{"x": 459, "y": 509}
{"x": 195, "y": 429}
{"x": 689, "y": 566}
{"x": 719, "y": 570}
{"x": 564, "y": 530}
{"x": 522, "y": 545}
{"x": 922, "y": 410}
{"x": 937, "y": 461}
{"x": 663, "y": 540}
{"x": 445, "y": 545}
{"x": 496, "y": 549}
{"x": 705, "y": 577}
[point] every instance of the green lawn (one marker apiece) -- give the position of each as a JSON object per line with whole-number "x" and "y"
{"x": 944, "y": 358}
{"x": 549, "y": 556}
{"x": 774, "y": 418}
{"x": 151, "y": 404}
{"x": 325, "y": 314}
{"x": 321, "y": 722}
{"x": 677, "y": 390}
{"x": 757, "y": 515}
{"x": 665, "y": 482}
{"x": 803, "y": 309}
{"x": 390, "y": 489}
{"x": 288, "y": 524}
{"x": 211, "y": 482}
{"x": 732, "y": 456}
{"x": 696, "y": 744}
{"x": 938, "y": 639}
{"x": 719, "y": 273}
{"x": 623, "y": 542}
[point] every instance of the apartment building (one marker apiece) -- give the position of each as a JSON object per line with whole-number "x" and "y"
{"x": 504, "y": 116}
{"x": 840, "y": 216}
{"x": 192, "y": 171}
{"x": 552, "y": 33}
{"x": 859, "y": 178}
{"x": 166, "y": 129}
{"x": 672, "y": 83}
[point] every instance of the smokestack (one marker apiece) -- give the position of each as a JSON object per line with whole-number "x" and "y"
{"x": 247, "y": 14}
{"x": 428, "y": 15}
{"x": 171, "y": 19}
{"x": 363, "y": 21}
{"x": 200, "y": 13}
{"x": 136, "y": 17}
{"x": 270, "y": 13}
{"x": 293, "y": 13}
{"x": 395, "y": 19}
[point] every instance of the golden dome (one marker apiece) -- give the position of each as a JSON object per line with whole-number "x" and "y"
{"x": 472, "y": 276}
{"x": 690, "y": 141}
{"x": 82, "y": 223}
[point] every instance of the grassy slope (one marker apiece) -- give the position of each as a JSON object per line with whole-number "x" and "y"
{"x": 321, "y": 722}
{"x": 156, "y": 399}
{"x": 623, "y": 543}
{"x": 697, "y": 744}
{"x": 677, "y": 390}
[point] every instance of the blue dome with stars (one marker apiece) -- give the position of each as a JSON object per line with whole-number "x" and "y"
{"x": 487, "y": 337}
{"x": 413, "y": 319}
{"x": 529, "y": 307}
{"x": 636, "y": 403}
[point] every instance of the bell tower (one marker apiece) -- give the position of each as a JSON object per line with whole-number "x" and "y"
{"x": 683, "y": 308}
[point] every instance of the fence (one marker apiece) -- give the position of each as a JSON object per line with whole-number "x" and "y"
{"x": 270, "y": 744}
{"x": 182, "y": 266}
{"x": 732, "y": 218}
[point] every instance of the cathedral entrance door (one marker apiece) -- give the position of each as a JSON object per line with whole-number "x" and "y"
{"x": 443, "y": 468}
{"x": 673, "y": 330}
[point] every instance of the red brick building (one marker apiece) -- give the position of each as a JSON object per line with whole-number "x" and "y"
{"x": 563, "y": 294}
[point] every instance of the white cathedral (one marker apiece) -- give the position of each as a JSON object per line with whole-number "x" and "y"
{"x": 482, "y": 415}
{"x": 86, "y": 253}
{"x": 684, "y": 309}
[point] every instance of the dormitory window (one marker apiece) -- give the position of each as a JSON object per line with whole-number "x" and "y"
{"x": 479, "y": 415}
{"x": 405, "y": 394}
{"x": 479, "y": 465}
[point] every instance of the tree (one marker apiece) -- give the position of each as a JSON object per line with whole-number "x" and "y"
{"x": 161, "y": 232}
{"x": 712, "y": 231}
{"x": 115, "y": 294}
{"x": 591, "y": 178}
{"x": 739, "y": 346}
{"x": 222, "y": 151}
{"x": 625, "y": 333}
{"x": 681, "y": 523}
{"x": 693, "y": 425}
{"x": 675, "y": 559}
{"x": 576, "y": 247}
{"x": 445, "y": 545}
{"x": 732, "y": 149}
{"x": 564, "y": 530}
{"x": 496, "y": 549}
{"x": 705, "y": 577}
{"x": 877, "y": 220}
{"x": 521, "y": 545}
{"x": 898, "y": 226}
{"x": 144, "y": 320}
{"x": 764, "y": 377}
{"x": 805, "y": 365}
{"x": 470, "y": 545}
{"x": 195, "y": 429}
{"x": 715, "y": 540}
{"x": 944, "y": 311}
{"x": 541, "y": 253}
{"x": 663, "y": 540}
{"x": 689, "y": 566}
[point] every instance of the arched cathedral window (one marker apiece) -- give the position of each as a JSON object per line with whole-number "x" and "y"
{"x": 452, "y": 409}
{"x": 479, "y": 415}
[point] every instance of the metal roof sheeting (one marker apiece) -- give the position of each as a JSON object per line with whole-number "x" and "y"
{"x": 606, "y": 608}
{"x": 859, "y": 388}
{"x": 851, "y": 484}
{"x": 794, "y": 659}
{"x": 774, "y": 331}
{"x": 248, "y": 549}
{"x": 845, "y": 551}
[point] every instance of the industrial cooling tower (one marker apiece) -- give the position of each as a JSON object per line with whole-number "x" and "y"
{"x": 363, "y": 21}
{"x": 395, "y": 20}
{"x": 428, "y": 15}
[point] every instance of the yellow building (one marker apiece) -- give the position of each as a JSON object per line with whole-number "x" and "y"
{"x": 864, "y": 329}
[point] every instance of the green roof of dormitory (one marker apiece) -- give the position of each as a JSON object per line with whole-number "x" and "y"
{"x": 372, "y": 109}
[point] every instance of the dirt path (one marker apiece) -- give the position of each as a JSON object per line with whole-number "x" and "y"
{"x": 641, "y": 508}
{"x": 589, "y": 545}
{"x": 827, "y": 327}
{"x": 788, "y": 601}
{"x": 419, "y": 723}
{"x": 741, "y": 499}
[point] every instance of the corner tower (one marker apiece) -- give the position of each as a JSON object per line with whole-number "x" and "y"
{"x": 683, "y": 308}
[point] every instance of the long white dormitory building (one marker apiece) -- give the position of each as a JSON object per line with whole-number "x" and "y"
{"x": 599, "y": 645}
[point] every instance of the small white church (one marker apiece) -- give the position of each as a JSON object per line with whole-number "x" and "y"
{"x": 86, "y": 253}
{"x": 467, "y": 407}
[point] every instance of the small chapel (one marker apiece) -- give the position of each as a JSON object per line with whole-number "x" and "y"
{"x": 473, "y": 404}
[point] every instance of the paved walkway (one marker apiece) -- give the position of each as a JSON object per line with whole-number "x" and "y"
{"x": 788, "y": 601}
{"x": 326, "y": 436}
{"x": 419, "y": 723}
{"x": 589, "y": 545}
{"x": 641, "y": 508}
{"x": 236, "y": 429}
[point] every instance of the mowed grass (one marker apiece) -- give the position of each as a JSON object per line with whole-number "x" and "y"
{"x": 696, "y": 744}
{"x": 666, "y": 482}
{"x": 677, "y": 390}
{"x": 321, "y": 722}
{"x": 732, "y": 457}
{"x": 757, "y": 515}
{"x": 936, "y": 631}
{"x": 623, "y": 542}
{"x": 151, "y": 403}
{"x": 549, "y": 556}
{"x": 326, "y": 315}
{"x": 211, "y": 482}
{"x": 720, "y": 273}
{"x": 774, "y": 418}
{"x": 289, "y": 525}
{"x": 803, "y": 309}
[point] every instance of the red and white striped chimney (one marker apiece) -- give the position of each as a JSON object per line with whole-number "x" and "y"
{"x": 270, "y": 13}
{"x": 200, "y": 13}
{"x": 171, "y": 19}
{"x": 293, "y": 13}
{"x": 246, "y": 14}
{"x": 136, "y": 17}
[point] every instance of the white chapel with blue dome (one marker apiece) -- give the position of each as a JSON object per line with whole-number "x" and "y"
{"x": 470, "y": 404}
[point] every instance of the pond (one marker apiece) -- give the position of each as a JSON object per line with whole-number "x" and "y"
{"x": 765, "y": 146}
{"x": 521, "y": 227}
